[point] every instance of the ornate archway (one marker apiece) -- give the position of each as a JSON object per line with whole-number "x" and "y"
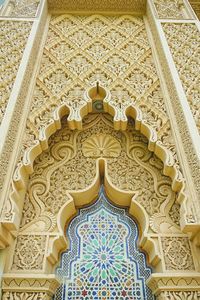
{"x": 103, "y": 260}
{"x": 69, "y": 174}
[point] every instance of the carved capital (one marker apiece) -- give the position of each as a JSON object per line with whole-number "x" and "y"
{"x": 23, "y": 285}
{"x": 166, "y": 286}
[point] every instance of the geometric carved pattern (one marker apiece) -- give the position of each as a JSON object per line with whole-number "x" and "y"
{"x": 23, "y": 8}
{"x": 180, "y": 259}
{"x": 64, "y": 167}
{"x": 12, "y": 48}
{"x": 184, "y": 43}
{"x": 29, "y": 253}
{"x": 106, "y": 261}
{"x": 81, "y": 50}
{"x": 172, "y": 9}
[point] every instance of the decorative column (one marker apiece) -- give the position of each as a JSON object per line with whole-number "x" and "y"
{"x": 176, "y": 41}
{"x": 22, "y": 27}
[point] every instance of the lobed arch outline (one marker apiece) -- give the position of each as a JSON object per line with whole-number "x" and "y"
{"x": 78, "y": 198}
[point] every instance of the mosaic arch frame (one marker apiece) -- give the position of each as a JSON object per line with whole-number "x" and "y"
{"x": 52, "y": 242}
{"x": 93, "y": 233}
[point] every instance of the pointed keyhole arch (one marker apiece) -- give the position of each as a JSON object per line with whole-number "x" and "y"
{"x": 103, "y": 261}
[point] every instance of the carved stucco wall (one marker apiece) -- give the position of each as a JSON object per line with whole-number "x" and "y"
{"x": 79, "y": 51}
{"x": 170, "y": 9}
{"x": 13, "y": 39}
{"x": 70, "y": 165}
{"x": 20, "y": 8}
{"x": 184, "y": 42}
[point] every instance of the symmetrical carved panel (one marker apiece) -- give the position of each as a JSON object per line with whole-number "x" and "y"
{"x": 29, "y": 253}
{"x": 81, "y": 50}
{"x": 70, "y": 165}
{"x": 170, "y": 9}
{"x": 184, "y": 43}
{"x": 12, "y": 40}
{"x": 21, "y": 8}
{"x": 66, "y": 167}
{"x": 177, "y": 253}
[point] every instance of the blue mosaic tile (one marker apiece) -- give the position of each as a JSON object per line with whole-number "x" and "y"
{"x": 103, "y": 262}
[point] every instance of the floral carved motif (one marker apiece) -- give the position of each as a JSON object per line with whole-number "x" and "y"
{"x": 63, "y": 168}
{"x": 172, "y": 9}
{"x": 23, "y": 8}
{"x": 177, "y": 253}
{"x": 184, "y": 43}
{"x": 101, "y": 145}
{"x": 74, "y": 58}
{"x": 29, "y": 254}
{"x": 13, "y": 40}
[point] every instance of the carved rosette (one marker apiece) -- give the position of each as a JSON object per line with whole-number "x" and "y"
{"x": 101, "y": 145}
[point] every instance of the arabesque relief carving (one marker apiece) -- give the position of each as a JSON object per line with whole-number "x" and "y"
{"x": 21, "y": 8}
{"x": 189, "y": 151}
{"x": 80, "y": 51}
{"x": 70, "y": 164}
{"x": 29, "y": 288}
{"x": 13, "y": 41}
{"x": 29, "y": 252}
{"x": 182, "y": 260}
{"x": 184, "y": 43}
{"x": 171, "y": 9}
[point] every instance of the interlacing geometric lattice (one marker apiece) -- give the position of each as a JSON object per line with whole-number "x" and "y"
{"x": 184, "y": 43}
{"x": 114, "y": 50}
{"x": 103, "y": 261}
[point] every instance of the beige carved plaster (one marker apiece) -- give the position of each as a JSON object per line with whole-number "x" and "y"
{"x": 135, "y": 6}
{"x": 175, "y": 287}
{"x": 29, "y": 288}
{"x": 184, "y": 42}
{"x": 98, "y": 150}
{"x": 186, "y": 144}
{"x": 20, "y": 8}
{"x": 67, "y": 175}
{"x": 80, "y": 51}
{"x": 18, "y": 107}
{"x": 171, "y": 9}
{"x": 13, "y": 39}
